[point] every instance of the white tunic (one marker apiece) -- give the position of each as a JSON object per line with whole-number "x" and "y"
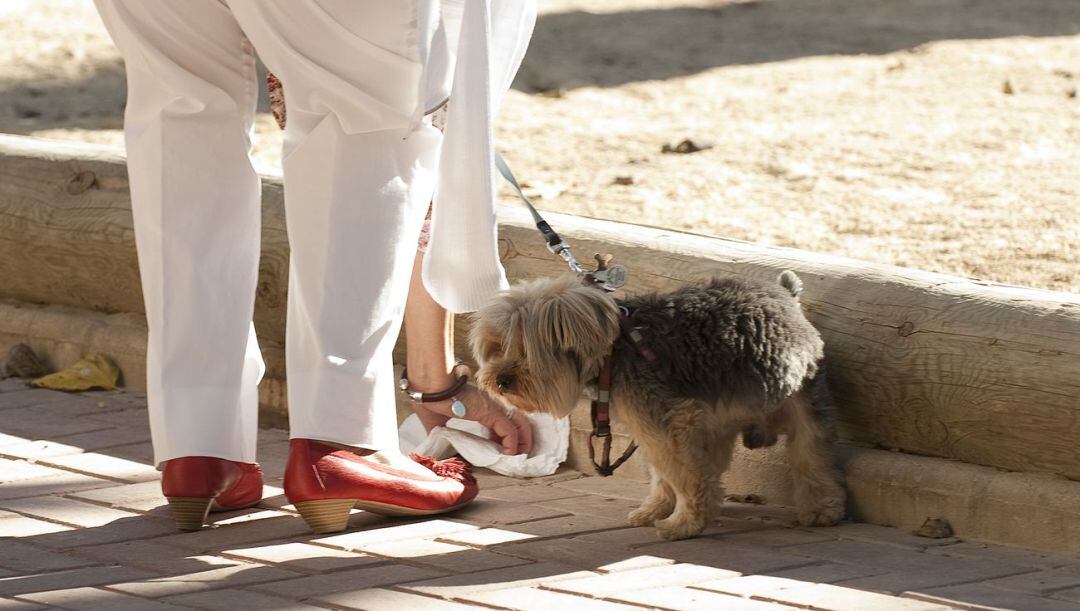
{"x": 483, "y": 42}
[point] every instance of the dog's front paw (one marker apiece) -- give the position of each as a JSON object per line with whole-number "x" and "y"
{"x": 647, "y": 515}
{"x": 681, "y": 527}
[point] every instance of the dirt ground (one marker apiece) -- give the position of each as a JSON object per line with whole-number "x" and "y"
{"x": 936, "y": 134}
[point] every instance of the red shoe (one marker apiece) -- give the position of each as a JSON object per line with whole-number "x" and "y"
{"x": 324, "y": 483}
{"x": 197, "y": 485}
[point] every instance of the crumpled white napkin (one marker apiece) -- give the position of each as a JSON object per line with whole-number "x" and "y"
{"x": 551, "y": 439}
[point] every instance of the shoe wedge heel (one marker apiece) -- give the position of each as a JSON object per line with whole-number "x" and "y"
{"x": 189, "y": 513}
{"x": 326, "y": 515}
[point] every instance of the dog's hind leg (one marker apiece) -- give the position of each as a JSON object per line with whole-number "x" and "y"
{"x": 819, "y": 495}
{"x": 658, "y": 505}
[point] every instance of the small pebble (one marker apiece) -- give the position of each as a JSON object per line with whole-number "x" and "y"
{"x": 623, "y": 180}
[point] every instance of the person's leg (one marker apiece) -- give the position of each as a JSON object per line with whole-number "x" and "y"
{"x": 359, "y": 172}
{"x": 196, "y": 205}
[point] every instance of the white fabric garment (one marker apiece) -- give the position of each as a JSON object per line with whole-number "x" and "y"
{"x": 551, "y": 440}
{"x": 360, "y": 166}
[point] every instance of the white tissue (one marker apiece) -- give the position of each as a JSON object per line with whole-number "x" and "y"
{"x": 551, "y": 439}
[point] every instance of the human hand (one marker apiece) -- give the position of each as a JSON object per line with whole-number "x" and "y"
{"x": 512, "y": 430}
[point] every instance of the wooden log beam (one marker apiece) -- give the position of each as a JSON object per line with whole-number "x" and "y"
{"x": 920, "y": 362}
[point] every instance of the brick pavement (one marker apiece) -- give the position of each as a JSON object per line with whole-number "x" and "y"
{"x": 83, "y": 526}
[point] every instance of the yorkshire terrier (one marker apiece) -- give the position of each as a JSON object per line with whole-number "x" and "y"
{"x": 728, "y": 357}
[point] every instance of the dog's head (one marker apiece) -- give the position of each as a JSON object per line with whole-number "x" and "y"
{"x": 541, "y": 342}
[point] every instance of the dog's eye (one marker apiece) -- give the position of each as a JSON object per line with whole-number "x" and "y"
{"x": 504, "y": 381}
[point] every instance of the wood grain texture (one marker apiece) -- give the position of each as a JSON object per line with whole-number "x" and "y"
{"x": 925, "y": 363}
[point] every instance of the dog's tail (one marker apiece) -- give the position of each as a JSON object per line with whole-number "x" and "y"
{"x": 791, "y": 282}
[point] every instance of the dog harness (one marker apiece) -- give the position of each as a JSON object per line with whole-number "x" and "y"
{"x": 601, "y": 403}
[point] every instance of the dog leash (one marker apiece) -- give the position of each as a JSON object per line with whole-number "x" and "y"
{"x": 608, "y": 278}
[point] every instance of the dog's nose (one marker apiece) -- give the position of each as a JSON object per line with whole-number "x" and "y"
{"x": 504, "y": 380}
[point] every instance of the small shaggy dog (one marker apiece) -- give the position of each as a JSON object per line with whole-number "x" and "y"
{"x": 731, "y": 357}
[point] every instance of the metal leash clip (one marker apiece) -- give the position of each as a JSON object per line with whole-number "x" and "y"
{"x": 606, "y": 276}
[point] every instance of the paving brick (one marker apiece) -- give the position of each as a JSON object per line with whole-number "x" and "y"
{"x": 102, "y": 465}
{"x": 34, "y": 397}
{"x": 633, "y": 563}
{"x": 125, "y": 529}
{"x": 216, "y": 538}
{"x": 75, "y": 578}
{"x": 584, "y": 554}
{"x": 979, "y": 596}
{"x": 411, "y": 548}
{"x": 49, "y": 421}
{"x": 58, "y": 482}
{"x": 601, "y": 586}
{"x": 869, "y": 554}
{"x": 614, "y": 487}
{"x": 750, "y": 585}
{"x": 873, "y": 533}
{"x": 346, "y": 581}
{"x": 160, "y": 559}
{"x": 6, "y": 441}
{"x": 484, "y": 537}
{"x": 490, "y": 481}
{"x": 1010, "y": 555}
{"x": 233, "y": 599}
{"x": 130, "y": 416}
{"x": 416, "y": 530}
{"x": 720, "y": 554}
{"x": 20, "y": 470}
{"x": 634, "y": 537}
{"x": 1068, "y": 594}
{"x": 567, "y": 526}
{"x": 303, "y": 557}
{"x": 524, "y": 576}
{"x": 686, "y": 599}
{"x": 501, "y": 512}
{"x": 827, "y": 572}
{"x": 223, "y": 577}
{"x": 772, "y": 514}
{"x": 15, "y": 525}
{"x": 13, "y": 384}
{"x": 76, "y": 444}
{"x": 378, "y": 599}
{"x": 592, "y": 505}
{"x": 775, "y": 536}
{"x": 145, "y": 496}
{"x": 835, "y": 598}
{"x": 1039, "y": 583}
{"x": 93, "y": 599}
{"x": 139, "y": 452}
{"x": 937, "y": 575}
{"x": 66, "y": 511}
{"x": 24, "y": 558}
{"x": 529, "y": 494}
{"x": 535, "y": 599}
{"x": 9, "y": 604}
{"x": 37, "y": 450}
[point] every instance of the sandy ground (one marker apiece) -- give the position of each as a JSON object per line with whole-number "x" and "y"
{"x": 937, "y": 134}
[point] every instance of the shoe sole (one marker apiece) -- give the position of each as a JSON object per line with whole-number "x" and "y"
{"x": 332, "y": 515}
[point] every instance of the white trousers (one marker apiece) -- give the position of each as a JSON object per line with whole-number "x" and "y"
{"x": 359, "y": 167}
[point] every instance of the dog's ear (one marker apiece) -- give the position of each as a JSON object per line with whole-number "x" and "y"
{"x": 580, "y": 319}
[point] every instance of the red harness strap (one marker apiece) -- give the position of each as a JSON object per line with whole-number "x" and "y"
{"x": 601, "y": 404}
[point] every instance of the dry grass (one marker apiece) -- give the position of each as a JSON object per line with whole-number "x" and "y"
{"x": 874, "y": 129}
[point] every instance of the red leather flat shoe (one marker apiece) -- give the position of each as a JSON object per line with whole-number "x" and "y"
{"x": 325, "y": 482}
{"x": 197, "y": 485}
